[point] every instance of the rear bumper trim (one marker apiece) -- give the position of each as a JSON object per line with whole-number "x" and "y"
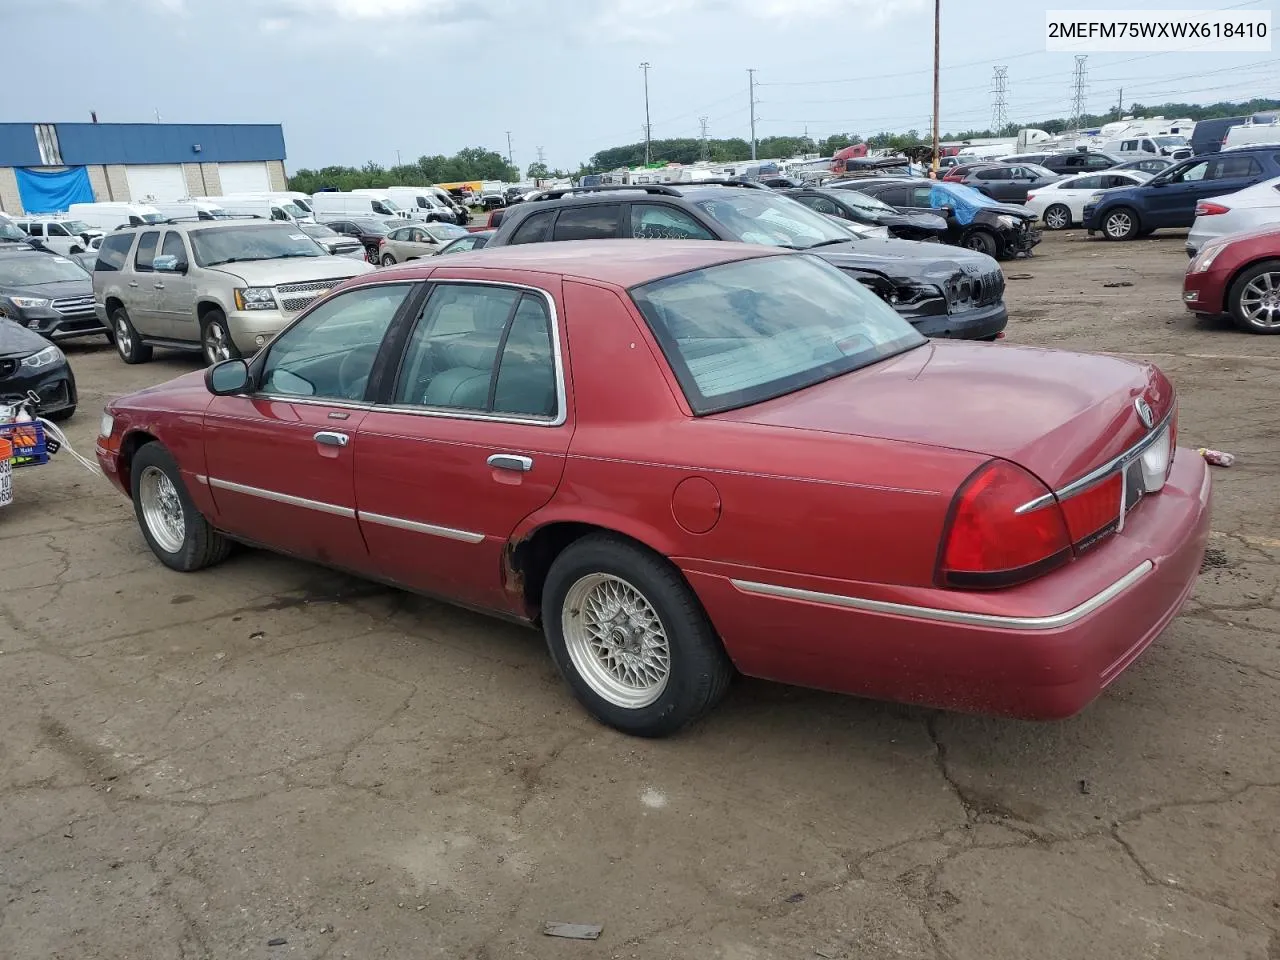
{"x": 1053, "y": 622}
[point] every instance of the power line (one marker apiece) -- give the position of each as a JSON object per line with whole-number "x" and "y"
{"x": 999, "y": 88}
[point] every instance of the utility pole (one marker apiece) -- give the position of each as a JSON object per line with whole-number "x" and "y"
{"x": 1079, "y": 82}
{"x": 937, "y": 55}
{"x": 999, "y": 106}
{"x": 648, "y": 130}
{"x": 706, "y": 144}
{"x": 397, "y": 158}
{"x": 751, "y": 91}
{"x": 510, "y": 162}
{"x": 1120, "y": 105}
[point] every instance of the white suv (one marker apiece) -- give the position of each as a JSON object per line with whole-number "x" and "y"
{"x": 59, "y": 234}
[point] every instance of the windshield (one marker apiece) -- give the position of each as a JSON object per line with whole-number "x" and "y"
{"x": 444, "y": 231}
{"x": 856, "y": 198}
{"x": 9, "y": 232}
{"x": 317, "y": 230}
{"x": 293, "y": 210}
{"x": 76, "y": 226}
{"x": 218, "y": 245}
{"x": 304, "y": 204}
{"x": 1171, "y": 141}
{"x": 376, "y": 227}
{"x": 744, "y": 332}
{"x": 151, "y": 217}
{"x": 760, "y": 216}
{"x": 37, "y": 269}
{"x": 1038, "y": 170}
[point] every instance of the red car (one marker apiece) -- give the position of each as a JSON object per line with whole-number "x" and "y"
{"x": 686, "y": 458}
{"x": 1238, "y": 274}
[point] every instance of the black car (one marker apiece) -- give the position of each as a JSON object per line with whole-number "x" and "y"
{"x": 514, "y": 194}
{"x": 996, "y": 229}
{"x": 1007, "y": 182}
{"x": 368, "y": 230}
{"x": 31, "y": 364}
{"x": 860, "y": 208}
{"x": 1076, "y": 161}
{"x": 48, "y": 294}
{"x": 781, "y": 183}
{"x": 943, "y": 293}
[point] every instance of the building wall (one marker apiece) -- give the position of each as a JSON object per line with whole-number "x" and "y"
{"x": 119, "y": 182}
{"x": 195, "y": 185}
{"x": 212, "y": 181}
{"x": 98, "y": 180}
{"x": 279, "y": 180}
{"x": 141, "y": 143}
{"x": 10, "y": 201}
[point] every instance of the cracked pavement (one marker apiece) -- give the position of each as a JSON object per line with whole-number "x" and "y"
{"x": 193, "y": 766}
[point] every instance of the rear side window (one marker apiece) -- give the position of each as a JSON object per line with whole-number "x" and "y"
{"x": 114, "y": 252}
{"x": 142, "y": 260}
{"x": 595, "y": 222}
{"x": 650, "y": 221}
{"x": 536, "y": 229}
{"x": 1084, "y": 183}
{"x": 1229, "y": 168}
{"x": 36, "y": 229}
{"x": 994, "y": 173}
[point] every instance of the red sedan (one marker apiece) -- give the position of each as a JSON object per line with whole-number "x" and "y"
{"x": 686, "y": 458}
{"x": 1238, "y": 274}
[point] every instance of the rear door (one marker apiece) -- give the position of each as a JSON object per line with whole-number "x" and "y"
{"x": 175, "y": 290}
{"x": 995, "y": 182}
{"x": 471, "y": 439}
{"x": 1171, "y": 201}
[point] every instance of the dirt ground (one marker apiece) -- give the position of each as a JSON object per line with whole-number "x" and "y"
{"x": 198, "y": 766}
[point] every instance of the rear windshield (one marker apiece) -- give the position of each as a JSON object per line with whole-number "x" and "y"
{"x": 741, "y": 333}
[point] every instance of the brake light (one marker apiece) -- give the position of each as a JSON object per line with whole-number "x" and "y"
{"x": 1004, "y": 527}
{"x": 1206, "y": 208}
{"x": 1091, "y": 512}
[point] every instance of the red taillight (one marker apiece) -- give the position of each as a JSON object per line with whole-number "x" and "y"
{"x": 1206, "y": 208}
{"x": 989, "y": 543}
{"x": 953, "y": 176}
{"x": 1031, "y": 196}
{"x": 1091, "y": 512}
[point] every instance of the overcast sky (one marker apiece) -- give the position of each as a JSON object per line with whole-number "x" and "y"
{"x": 355, "y": 80}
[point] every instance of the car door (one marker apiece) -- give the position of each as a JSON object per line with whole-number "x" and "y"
{"x": 1077, "y": 191}
{"x": 141, "y": 296}
{"x": 281, "y": 460}
{"x": 472, "y": 439}
{"x": 995, "y": 182}
{"x": 58, "y": 239}
{"x": 175, "y": 291}
{"x": 1171, "y": 199}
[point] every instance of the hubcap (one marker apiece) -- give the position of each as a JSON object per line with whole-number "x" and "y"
{"x": 162, "y": 509}
{"x": 616, "y": 640}
{"x": 388, "y": 260}
{"x": 1118, "y": 224}
{"x": 1055, "y": 219}
{"x": 1260, "y": 301}
{"x": 216, "y": 343}
{"x": 123, "y": 339}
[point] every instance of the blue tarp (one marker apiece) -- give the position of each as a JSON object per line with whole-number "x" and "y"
{"x": 52, "y": 192}
{"x": 964, "y": 201}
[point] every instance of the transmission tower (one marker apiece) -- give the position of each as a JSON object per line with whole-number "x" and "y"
{"x": 706, "y": 144}
{"x": 541, "y": 156}
{"x": 999, "y": 105}
{"x": 1079, "y": 85}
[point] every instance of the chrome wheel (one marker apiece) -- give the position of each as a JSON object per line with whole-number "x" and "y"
{"x": 1057, "y": 217}
{"x": 217, "y": 342}
{"x": 1119, "y": 225}
{"x": 124, "y": 336}
{"x": 616, "y": 640}
{"x": 1260, "y": 301}
{"x": 162, "y": 509}
{"x": 388, "y": 260}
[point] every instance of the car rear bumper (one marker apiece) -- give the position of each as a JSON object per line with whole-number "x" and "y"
{"x": 978, "y": 323}
{"x": 1040, "y": 651}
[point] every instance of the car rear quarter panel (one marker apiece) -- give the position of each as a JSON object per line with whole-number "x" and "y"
{"x": 774, "y": 498}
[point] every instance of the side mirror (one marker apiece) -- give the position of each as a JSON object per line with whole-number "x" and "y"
{"x": 227, "y": 378}
{"x": 168, "y": 264}
{"x": 945, "y": 211}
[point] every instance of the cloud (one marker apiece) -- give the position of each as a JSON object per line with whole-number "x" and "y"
{"x": 662, "y": 21}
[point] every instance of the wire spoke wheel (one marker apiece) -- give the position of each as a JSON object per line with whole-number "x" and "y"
{"x": 162, "y": 509}
{"x": 616, "y": 640}
{"x": 1260, "y": 301}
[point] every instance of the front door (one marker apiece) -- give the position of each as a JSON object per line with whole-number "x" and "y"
{"x": 175, "y": 303}
{"x": 473, "y": 440}
{"x": 281, "y": 461}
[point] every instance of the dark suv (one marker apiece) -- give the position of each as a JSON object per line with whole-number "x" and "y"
{"x": 1169, "y": 199}
{"x": 943, "y": 293}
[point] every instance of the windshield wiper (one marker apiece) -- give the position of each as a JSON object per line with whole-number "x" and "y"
{"x": 827, "y": 243}
{"x": 218, "y": 263}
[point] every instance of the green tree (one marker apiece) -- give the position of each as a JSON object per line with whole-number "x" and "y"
{"x": 471, "y": 163}
{"x": 537, "y": 171}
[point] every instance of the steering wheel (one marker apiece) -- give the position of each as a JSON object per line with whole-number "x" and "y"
{"x": 353, "y": 372}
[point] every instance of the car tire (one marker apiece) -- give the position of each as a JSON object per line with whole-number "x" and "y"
{"x": 1254, "y": 298}
{"x": 1121, "y": 223}
{"x": 1057, "y": 217}
{"x": 674, "y": 670}
{"x": 128, "y": 344}
{"x": 216, "y": 344}
{"x": 983, "y": 242}
{"x": 388, "y": 260}
{"x": 177, "y": 533}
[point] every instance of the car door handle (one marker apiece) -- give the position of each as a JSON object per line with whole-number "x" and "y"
{"x": 331, "y": 438}
{"x": 158, "y": 286}
{"x": 511, "y": 461}
{"x": 133, "y": 283}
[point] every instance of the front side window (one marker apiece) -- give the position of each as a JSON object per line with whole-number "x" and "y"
{"x": 146, "y": 251}
{"x": 994, "y": 173}
{"x": 822, "y": 205}
{"x": 329, "y": 353}
{"x": 174, "y": 247}
{"x": 481, "y": 349}
{"x": 744, "y": 332}
{"x": 56, "y": 230}
{"x": 653, "y": 221}
{"x": 215, "y": 246}
{"x": 114, "y": 252}
{"x": 591, "y": 222}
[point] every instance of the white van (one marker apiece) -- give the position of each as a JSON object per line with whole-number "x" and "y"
{"x": 390, "y": 206}
{"x": 258, "y": 205}
{"x": 109, "y": 215}
{"x": 1252, "y": 135}
{"x": 58, "y": 233}
{"x": 1173, "y": 146}
{"x": 420, "y": 203}
{"x": 199, "y": 208}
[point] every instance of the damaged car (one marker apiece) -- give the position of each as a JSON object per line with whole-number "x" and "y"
{"x": 857, "y": 207}
{"x": 974, "y": 221}
{"x": 941, "y": 292}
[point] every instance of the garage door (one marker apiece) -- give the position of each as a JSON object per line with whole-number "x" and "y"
{"x": 244, "y": 177}
{"x": 162, "y": 182}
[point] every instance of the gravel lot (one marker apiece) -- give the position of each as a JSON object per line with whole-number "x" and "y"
{"x": 194, "y": 766}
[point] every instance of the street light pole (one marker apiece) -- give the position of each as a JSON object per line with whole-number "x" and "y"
{"x": 751, "y": 92}
{"x": 648, "y": 157}
{"x": 937, "y": 48}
